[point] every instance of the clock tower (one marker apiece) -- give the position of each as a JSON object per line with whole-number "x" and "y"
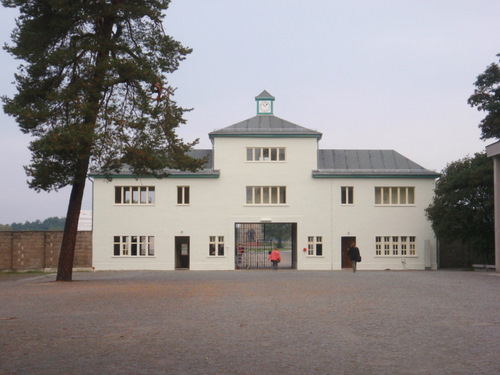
{"x": 265, "y": 103}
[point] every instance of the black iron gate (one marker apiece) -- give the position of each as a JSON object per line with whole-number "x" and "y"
{"x": 255, "y": 241}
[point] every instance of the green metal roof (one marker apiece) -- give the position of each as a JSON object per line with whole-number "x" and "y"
{"x": 368, "y": 163}
{"x": 265, "y": 126}
{"x": 206, "y": 172}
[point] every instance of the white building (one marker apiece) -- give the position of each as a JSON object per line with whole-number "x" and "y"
{"x": 266, "y": 183}
{"x": 493, "y": 151}
{"x": 85, "y": 220}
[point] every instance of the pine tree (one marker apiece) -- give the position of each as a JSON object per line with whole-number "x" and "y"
{"x": 486, "y": 98}
{"x": 94, "y": 95}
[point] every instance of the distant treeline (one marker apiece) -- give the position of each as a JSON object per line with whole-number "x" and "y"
{"x": 52, "y": 223}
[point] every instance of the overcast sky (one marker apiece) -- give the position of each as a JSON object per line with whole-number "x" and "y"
{"x": 388, "y": 74}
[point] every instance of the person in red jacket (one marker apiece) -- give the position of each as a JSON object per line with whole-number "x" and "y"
{"x": 275, "y": 257}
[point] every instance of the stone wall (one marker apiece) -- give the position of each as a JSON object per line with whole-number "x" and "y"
{"x": 28, "y": 251}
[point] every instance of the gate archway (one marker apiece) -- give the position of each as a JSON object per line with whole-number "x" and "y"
{"x": 255, "y": 241}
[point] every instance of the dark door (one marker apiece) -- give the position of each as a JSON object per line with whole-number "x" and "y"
{"x": 346, "y": 244}
{"x": 182, "y": 252}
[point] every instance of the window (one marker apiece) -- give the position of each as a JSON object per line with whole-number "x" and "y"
{"x": 404, "y": 245}
{"x": 266, "y": 195}
{"x": 395, "y": 245}
{"x": 183, "y": 195}
{"x": 378, "y": 245}
{"x": 134, "y": 246}
{"x": 315, "y": 245}
{"x": 387, "y": 195}
{"x": 387, "y": 245}
{"x": 265, "y": 154}
{"x": 413, "y": 248}
{"x": 134, "y": 195}
{"x": 216, "y": 246}
{"x": 347, "y": 195}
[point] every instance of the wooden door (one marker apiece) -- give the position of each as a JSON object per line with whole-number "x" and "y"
{"x": 182, "y": 252}
{"x": 346, "y": 244}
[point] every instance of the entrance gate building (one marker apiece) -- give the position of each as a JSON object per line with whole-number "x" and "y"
{"x": 255, "y": 241}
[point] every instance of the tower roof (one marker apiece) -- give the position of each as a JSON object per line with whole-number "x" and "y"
{"x": 264, "y": 95}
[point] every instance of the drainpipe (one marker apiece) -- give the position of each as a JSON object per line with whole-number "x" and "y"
{"x": 331, "y": 226}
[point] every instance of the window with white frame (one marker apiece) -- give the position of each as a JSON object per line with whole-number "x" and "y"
{"x": 394, "y": 195}
{"x": 387, "y": 245}
{"x": 270, "y": 195}
{"x": 347, "y": 195}
{"x": 395, "y": 245}
{"x": 216, "y": 246}
{"x": 183, "y": 195}
{"x": 404, "y": 245}
{"x": 412, "y": 245}
{"x": 315, "y": 245}
{"x": 134, "y": 246}
{"x": 135, "y": 195}
{"x": 378, "y": 245}
{"x": 266, "y": 154}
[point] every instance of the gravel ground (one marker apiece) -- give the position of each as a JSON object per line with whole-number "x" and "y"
{"x": 251, "y": 322}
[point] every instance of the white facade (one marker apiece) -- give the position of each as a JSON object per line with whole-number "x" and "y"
{"x": 493, "y": 151}
{"x": 85, "y": 220}
{"x": 218, "y": 202}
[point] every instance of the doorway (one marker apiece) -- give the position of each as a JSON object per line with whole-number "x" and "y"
{"x": 255, "y": 241}
{"x": 181, "y": 252}
{"x": 346, "y": 244}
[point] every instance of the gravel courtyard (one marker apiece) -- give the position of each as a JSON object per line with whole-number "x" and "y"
{"x": 251, "y": 322}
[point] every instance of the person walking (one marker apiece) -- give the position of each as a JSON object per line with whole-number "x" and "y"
{"x": 275, "y": 258}
{"x": 354, "y": 256}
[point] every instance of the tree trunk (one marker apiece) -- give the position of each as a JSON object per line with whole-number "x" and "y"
{"x": 67, "y": 254}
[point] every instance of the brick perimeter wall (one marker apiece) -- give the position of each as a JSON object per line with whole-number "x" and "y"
{"x": 27, "y": 251}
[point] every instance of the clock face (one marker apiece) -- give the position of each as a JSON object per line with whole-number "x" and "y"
{"x": 264, "y": 106}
